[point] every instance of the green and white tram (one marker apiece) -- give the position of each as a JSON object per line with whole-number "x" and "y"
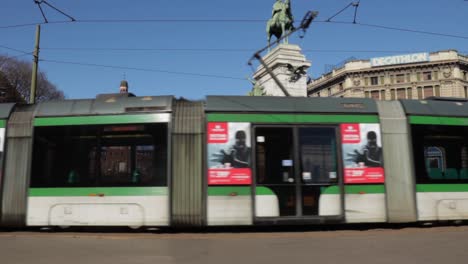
{"x": 120, "y": 160}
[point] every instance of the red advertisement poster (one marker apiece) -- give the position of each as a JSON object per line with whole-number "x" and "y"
{"x": 229, "y": 153}
{"x": 217, "y": 132}
{"x": 362, "y": 153}
{"x": 364, "y": 175}
{"x": 229, "y": 176}
{"x": 350, "y": 133}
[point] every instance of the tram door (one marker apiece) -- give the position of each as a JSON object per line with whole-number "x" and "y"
{"x": 298, "y": 164}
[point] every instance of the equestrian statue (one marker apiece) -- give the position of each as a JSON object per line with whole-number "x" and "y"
{"x": 281, "y": 21}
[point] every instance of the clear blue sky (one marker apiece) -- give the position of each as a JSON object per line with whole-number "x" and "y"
{"x": 212, "y": 48}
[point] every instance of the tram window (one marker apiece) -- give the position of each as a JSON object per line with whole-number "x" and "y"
{"x": 275, "y": 156}
{"x": 318, "y": 155}
{"x": 440, "y": 153}
{"x": 91, "y": 156}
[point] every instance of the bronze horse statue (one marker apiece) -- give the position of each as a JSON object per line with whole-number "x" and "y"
{"x": 281, "y": 21}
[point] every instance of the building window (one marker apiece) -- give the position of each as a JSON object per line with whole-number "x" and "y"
{"x": 374, "y": 80}
{"x": 410, "y": 93}
{"x": 436, "y": 75}
{"x": 400, "y": 78}
{"x": 401, "y": 93}
{"x": 427, "y": 76}
{"x": 408, "y": 77}
{"x": 437, "y": 90}
{"x": 382, "y": 80}
{"x": 428, "y": 91}
{"x": 392, "y": 94}
{"x": 375, "y": 95}
{"x": 420, "y": 93}
{"x": 340, "y": 86}
{"x": 382, "y": 95}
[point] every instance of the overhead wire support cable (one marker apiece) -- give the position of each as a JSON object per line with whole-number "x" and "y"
{"x": 39, "y": 2}
{"x": 142, "y": 69}
{"x": 339, "y": 12}
{"x": 356, "y": 6}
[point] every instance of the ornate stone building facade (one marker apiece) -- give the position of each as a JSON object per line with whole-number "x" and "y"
{"x": 412, "y": 76}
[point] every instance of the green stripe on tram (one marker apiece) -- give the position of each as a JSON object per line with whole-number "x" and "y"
{"x": 438, "y": 120}
{"x": 98, "y": 120}
{"x": 356, "y": 189}
{"x": 292, "y": 118}
{"x": 98, "y": 191}
{"x": 374, "y": 189}
{"x": 442, "y": 187}
{"x": 2, "y": 123}
{"x": 237, "y": 190}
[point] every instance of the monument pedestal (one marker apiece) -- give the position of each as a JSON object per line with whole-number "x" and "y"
{"x": 289, "y": 65}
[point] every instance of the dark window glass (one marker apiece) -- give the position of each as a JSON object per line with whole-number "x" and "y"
{"x": 401, "y": 93}
{"x": 428, "y": 91}
{"x": 374, "y": 80}
{"x": 275, "y": 156}
{"x": 317, "y": 148}
{"x": 88, "y": 156}
{"x": 400, "y": 78}
{"x": 275, "y": 166}
{"x": 427, "y": 76}
{"x": 440, "y": 153}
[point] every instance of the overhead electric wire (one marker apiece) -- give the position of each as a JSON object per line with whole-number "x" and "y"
{"x": 16, "y": 50}
{"x": 143, "y": 69}
{"x": 396, "y": 29}
{"x": 220, "y": 50}
{"x": 148, "y": 49}
{"x": 234, "y": 21}
{"x": 413, "y": 31}
{"x": 72, "y": 49}
{"x": 104, "y": 21}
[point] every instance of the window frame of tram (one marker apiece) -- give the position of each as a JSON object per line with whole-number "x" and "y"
{"x": 440, "y": 153}
{"x": 298, "y": 189}
{"x": 100, "y": 156}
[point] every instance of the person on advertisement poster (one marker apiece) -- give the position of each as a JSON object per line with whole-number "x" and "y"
{"x": 371, "y": 153}
{"x": 238, "y": 155}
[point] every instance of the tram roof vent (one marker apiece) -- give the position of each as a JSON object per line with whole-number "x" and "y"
{"x": 106, "y": 97}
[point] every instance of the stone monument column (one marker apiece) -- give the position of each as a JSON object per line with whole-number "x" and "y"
{"x": 289, "y": 65}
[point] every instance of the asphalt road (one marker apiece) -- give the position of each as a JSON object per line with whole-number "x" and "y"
{"x": 406, "y": 245}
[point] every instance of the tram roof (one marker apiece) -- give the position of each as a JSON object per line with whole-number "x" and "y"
{"x": 437, "y": 107}
{"x": 105, "y": 104}
{"x": 290, "y": 104}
